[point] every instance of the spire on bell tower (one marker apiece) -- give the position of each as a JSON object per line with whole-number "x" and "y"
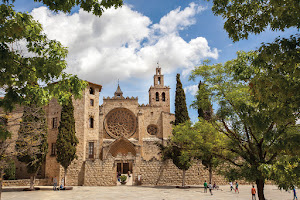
{"x": 118, "y": 93}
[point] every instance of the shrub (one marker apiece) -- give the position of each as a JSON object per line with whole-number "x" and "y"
{"x": 10, "y": 171}
{"x": 123, "y": 178}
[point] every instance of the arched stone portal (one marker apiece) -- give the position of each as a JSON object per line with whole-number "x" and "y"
{"x": 122, "y": 146}
{"x": 124, "y": 153}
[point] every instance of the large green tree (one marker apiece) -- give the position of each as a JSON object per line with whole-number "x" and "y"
{"x": 30, "y": 62}
{"x": 276, "y": 72}
{"x": 181, "y": 113}
{"x": 208, "y": 145}
{"x": 178, "y": 148}
{"x": 32, "y": 145}
{"x": 258, "y": 135}
{"x": 66, "y": 139}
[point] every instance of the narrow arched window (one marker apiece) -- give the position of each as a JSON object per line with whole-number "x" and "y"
{"x": 158, "y": 80}
{"x": 92, "y": 91}
{"x": 163, "y": 96}
{"x": 157, "y": 96}
{"x": 91, "y": 122}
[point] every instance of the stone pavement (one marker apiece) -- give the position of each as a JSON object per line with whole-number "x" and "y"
{"x": 141, "y": 193}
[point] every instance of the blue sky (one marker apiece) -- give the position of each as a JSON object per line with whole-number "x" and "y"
{"x": 126, "y": 43}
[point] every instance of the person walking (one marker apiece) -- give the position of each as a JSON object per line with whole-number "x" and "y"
{"x": 237, "y": 187}
{"x": 210, "y": 188}
{"x": 253, "y": 192}
{"x": 54, "y": 183}
{"x": 295, "y": 194}
{"x": 231, "y": 186}
{"x": 128, "y": 174}
{"x": 205, "y": 186}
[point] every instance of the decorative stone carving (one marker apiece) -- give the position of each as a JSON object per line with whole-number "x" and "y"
{"x": 120, "y": 122}
{"x": 152, "y": 129}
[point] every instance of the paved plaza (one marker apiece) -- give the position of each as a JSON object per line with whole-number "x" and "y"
{"x": 141, "y": 193}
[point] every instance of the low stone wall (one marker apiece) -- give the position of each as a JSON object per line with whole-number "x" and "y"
{"x": 155, "y": 172}
{"x": 99, "y": 173}
{"x": 26, "y": 182}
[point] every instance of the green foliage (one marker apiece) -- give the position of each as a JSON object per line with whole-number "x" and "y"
{"x": 286, "y": 172}
{"x": 181, "y": 113}
{"x": 179, "y": 146}
{"x": 94, "y": 6}
{"x": 275, "y": 69}
{"x": 257, "y": 133}
{"x": 31, "y": 145}
{"x": 243, "y": 17}
{"x": 123, "y": 178}
{"x": 10, "y": 171}
{"x": 66, "y": 139}
{"x": 4, "y": 133}
{"x": 208, "y": 144}
{"x": 203, "y": 103}
{"x": 30, "y": 62}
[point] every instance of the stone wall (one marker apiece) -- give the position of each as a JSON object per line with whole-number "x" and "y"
{"x": 155, "y": 172}
{"x": 100, "y": 173}
{"x": 26, "y": 182}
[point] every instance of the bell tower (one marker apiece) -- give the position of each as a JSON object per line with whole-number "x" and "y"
{"x": 159, "y": 94}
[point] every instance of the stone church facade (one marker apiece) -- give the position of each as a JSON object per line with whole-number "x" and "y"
{"x": 118, "y": 136}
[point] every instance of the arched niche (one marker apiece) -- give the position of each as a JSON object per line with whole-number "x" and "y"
{"x": 122, "y": 146}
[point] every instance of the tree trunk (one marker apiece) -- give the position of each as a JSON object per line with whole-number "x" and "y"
{"x": 32, "y": 179}
{"x": 65, "y": 176}
{"x": 260, "y": 183}
{"x": 183, "y": 178}
{"x": 210, "y": 174}
{"x": 1, "y": 182}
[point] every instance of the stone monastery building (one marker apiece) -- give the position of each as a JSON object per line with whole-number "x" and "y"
{"x": 119, "y": 135}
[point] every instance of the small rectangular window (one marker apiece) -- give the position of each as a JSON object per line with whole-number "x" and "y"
{"x": 53, "y": 149}
{"x": 91, "y": 102}
{"x": 54, "y": 122}
{"x": 91, "y": 149}
{"x": 91, "y": 122}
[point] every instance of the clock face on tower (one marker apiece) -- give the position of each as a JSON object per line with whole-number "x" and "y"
{"x": 120, "y": 122}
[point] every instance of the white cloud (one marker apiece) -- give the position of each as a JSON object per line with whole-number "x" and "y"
{"x": 178, "y": 19}
{"x": 123, "y": 43}
{"x": 192, "y": 89}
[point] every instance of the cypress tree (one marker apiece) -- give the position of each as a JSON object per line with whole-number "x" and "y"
{"x": 203, "y": 102}
{"x": 181, "y": 113}
{"x": 66, "y": 139}
{"x": 32, "y": 145}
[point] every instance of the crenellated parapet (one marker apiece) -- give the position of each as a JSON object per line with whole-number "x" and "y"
{"x": 150, "y": 106}
{"x": 120, "y": 98}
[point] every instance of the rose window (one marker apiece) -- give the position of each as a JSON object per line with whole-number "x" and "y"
{"x": 120, "y": 122}
{"x": 152, "y": 129}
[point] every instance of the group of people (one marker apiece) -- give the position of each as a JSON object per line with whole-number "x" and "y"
{"x": 253, "y": 190}
{"x": 236, "y": 187}
{"x": 210, "y": 187}
{"x": 61, "y": 187}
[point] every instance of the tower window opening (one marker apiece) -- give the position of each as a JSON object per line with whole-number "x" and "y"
{"x": 92, "y": 91}
{"x": 91, "y": 122}
{"x": 163, "y": 96}
{"x": 158, "y": 71}
{"x": 157, "y": 96}
{"x": 91, "y": 149}
{"x": 158, "y": 80}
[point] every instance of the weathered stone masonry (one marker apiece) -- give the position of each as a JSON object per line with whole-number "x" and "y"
{"x": 120, "y": 135}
